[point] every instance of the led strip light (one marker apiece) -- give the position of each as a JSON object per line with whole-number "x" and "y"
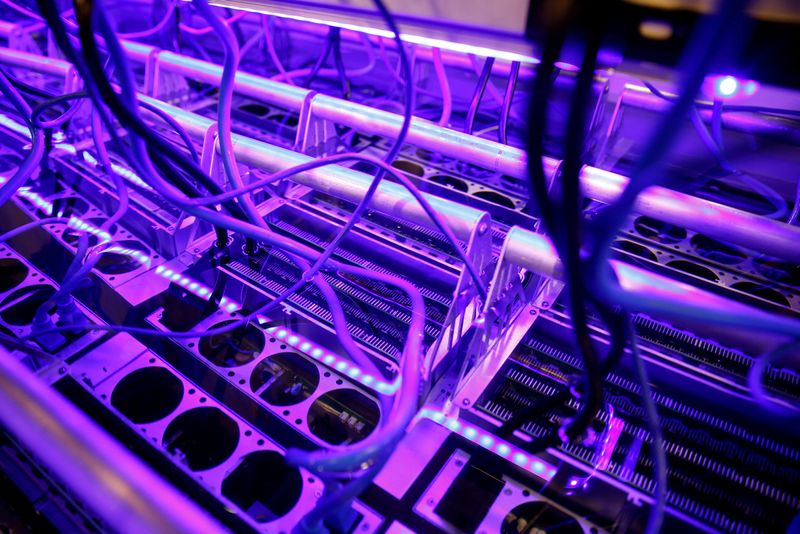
{"x": 491, "y": 443}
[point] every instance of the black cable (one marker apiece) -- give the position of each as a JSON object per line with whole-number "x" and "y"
{"x": 92, "y": 66}
{"x": 337, "y": 57}
{"x": 167, "y": 167}
{"x": 537, "y": 120}
{"x": 567, "y": 233}
{"x": 322, "y": 57}
{"x": 540, "y": 196}
{"x": 163, "y": 115}
{"x": 127, "y": 117}
{"x": 508, "y": 99}
{"x": 571, "y": 201}
{"x": 483, "y": 79}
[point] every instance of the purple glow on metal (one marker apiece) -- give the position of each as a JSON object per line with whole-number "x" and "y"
{"x": 305, "y": 345}
{"x": 83, "y": 226}
{"x": 14, "y": 126}
{"x": 609, "y": 443}
{"x": 120, "y": 170}
{"x": 569, "y": 67}
{"x": 491, "y": 443}
{"x": 333, "y": 361}
{"x": 144, "y": 259}
{"x": 407, "y": 37}
{"x": 36, "y": 199}
{"x": 47, "y": 207}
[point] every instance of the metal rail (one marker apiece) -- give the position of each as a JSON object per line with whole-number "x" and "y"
{"x": 116, "y": 485}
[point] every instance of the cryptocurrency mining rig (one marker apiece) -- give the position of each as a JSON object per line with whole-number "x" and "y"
{"x": 383, "y": 266}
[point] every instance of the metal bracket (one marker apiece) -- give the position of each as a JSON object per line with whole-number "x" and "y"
{"x": 304, "y": 121}
{"x": 151, "y": 72}
{"x": 165, "y": 85}
{"x": 511, "y": 307}
{"x": 319, "y": 137}
{"x": 209, "y": 160}
{"x": 466, "y": 308}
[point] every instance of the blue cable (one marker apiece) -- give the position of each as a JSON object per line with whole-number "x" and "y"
{"x": 656, "y": 517}
{"x": 34, "y": 157}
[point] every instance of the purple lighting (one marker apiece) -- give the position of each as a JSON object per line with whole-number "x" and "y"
{"x": 727, "y": 87}
{"x": 530, "y": 463}
{"x": 331, "y": 360}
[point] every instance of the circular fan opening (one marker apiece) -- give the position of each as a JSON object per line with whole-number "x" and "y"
{"x": 147, "y": 395}
{"x": 343, "y": 416}
{"x": 777, "y": 270}
{"x": 713, "y": 250}
{"x": 694, "y": 269}
{"x": 285, "y": 379}
{"x": 408, "y": 167}
{"x": 635, "y": 248}
{"x": 449, "y": 181}
{"x": 495, "y": 198}
{"x": 23, "y": 304}
{"x": 264, "y": 486}
{"x": 659, "y": 231}
{"x": 123, "y": 259}
{"x": 202, "y": 438}
{"x": 763, "y": 292}
{"x": 12, "y": 273}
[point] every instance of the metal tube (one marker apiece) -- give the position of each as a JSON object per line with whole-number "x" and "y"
{"x": 37, "y": 63}
{"x": 279, "y": 94}
{"x": 137, "y": 51}
{"x": 341, "y": 182}
{"x": 116, "y": 485}
{"x": 468, "y": 148}
{"x": 536, "y": 253}
{"x": 502, "y": 67}
{"x": 716, "y": 220}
